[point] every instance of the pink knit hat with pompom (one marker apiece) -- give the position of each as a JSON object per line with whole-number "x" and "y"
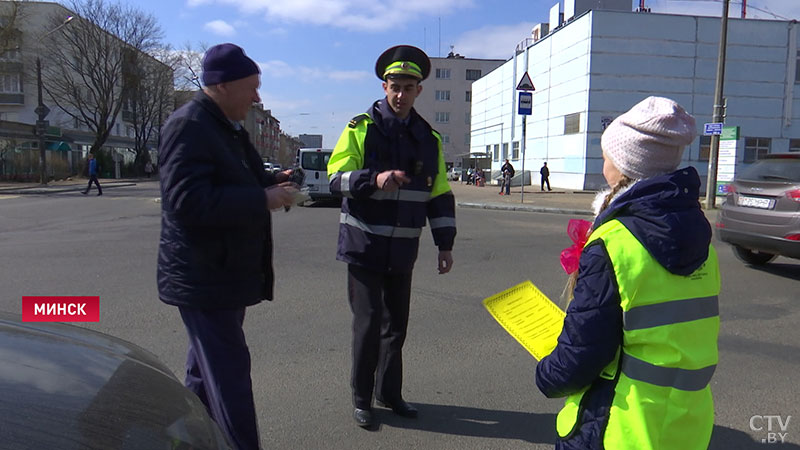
{"x": 649, "y": 139}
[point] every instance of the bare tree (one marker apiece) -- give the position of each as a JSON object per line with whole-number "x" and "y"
{"x": 149, "y": 92}
{"x": 12, "y": 14}
{"x": 187, "y": 72}
{"x": 87, "y": 64}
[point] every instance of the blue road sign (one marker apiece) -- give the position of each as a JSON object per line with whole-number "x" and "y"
{"x": 525, "y": 106}
{"x": 712, "y": 128}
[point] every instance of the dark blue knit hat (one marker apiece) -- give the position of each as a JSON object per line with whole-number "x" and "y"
{"x": 227, "y": 62}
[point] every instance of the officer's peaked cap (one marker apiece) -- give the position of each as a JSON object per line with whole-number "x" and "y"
{"x": 403, "y": 61}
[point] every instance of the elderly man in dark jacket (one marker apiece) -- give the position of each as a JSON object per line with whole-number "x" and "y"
{"x": 215, "y": 252}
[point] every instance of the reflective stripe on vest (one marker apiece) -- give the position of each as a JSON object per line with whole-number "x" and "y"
{"x": 677, "y": 311}
{"x": 668, "y": 354}
{"x": 380, "y": 230}
{"x": 683, "y": 379}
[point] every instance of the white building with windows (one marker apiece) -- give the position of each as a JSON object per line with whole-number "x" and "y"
{"x": 597, "y": 64}
{"x": 446, "y": 99}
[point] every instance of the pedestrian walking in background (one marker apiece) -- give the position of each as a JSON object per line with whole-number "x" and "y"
{"x": 215, "y": 252}
{"x": 148, "y": 169}
{"x": 639, "y": 343}
{"x": 545, "y": 173}
{"x": 389, "y": 167}
{"x": 93, "y": 170}
{"x": 507, "y": 171}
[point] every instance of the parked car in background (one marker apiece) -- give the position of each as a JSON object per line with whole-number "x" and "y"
{"x": 761, "y": 213}
{"x": 276, "y": 168}
{"x": 267, "y": 166}
{"x": 66, "y": 387}
{"x": 454, "y": 174}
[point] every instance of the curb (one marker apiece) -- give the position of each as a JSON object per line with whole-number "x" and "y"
{"x": 35, "y": 190}
{"x": 524, "y": 208}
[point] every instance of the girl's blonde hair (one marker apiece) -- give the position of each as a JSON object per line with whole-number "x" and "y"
{"x": 569, "y": 289}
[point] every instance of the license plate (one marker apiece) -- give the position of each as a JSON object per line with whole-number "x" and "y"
{"x": 755, "y": 202}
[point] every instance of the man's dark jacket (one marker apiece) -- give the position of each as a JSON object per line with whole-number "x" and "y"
{"x": 216, "y": 239}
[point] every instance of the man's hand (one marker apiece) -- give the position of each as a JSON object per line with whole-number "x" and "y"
{"x": 445, "y": 261}
{"x": 391, "y": 180}
{"x": 280, "y": 195}
{"x": 282, "y": 176}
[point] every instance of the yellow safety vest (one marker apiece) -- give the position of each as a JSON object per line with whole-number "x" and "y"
{"x": 662, "y": 398}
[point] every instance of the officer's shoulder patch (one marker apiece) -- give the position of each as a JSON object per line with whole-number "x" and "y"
{"x": 358, "y": 119}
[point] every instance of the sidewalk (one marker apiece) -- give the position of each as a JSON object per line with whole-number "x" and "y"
{"x": 558, "y": 201}
{"x": 68, "y": 185}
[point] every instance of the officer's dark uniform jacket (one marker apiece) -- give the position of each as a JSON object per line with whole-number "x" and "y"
{"x": 216, "y": 246}
{"x": 380, "y": 230}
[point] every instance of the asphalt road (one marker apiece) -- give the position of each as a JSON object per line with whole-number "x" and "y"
{"x": 472, "y": 382}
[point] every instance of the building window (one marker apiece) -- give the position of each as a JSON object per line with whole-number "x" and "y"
{"x": 496, "y": 152}
{"x": 467, "y": 139}
{"x": 572, "y": 123}
{"x": 443, "y": 74}
{"x": 797, "y": 69}
{"x": 468, "y": 96}
{"x": 705, "y": 148}
{"x": 755, "y": 148}
{"x": 11, "y": 53}
{"x": 467, "y": 117}
{"x": 445, "y": 139}
{"x": 505, "y": 151}
{"x": 794, "y": 145}
{"x": 473, "y": 74}
{"x": 10, "y": 83}
{"x": 442, "y": 117}
{"x": 515, "y": 151}
{"x": 489, "y": 151}
{"x": 443, "y": 96}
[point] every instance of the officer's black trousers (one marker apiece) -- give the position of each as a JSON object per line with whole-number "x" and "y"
{"x": 379, "y": 302}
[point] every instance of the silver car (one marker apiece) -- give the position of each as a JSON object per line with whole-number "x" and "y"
{"x": 761, "y": 213}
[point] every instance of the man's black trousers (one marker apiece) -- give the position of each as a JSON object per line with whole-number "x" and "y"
{"x": 380, "y": 303}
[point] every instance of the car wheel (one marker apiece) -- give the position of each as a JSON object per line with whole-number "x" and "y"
{"x": 753, "y": 257}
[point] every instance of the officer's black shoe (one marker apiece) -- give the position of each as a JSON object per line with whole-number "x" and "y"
{"x": 400, "y": 407}
{"x": 363, "y": 418}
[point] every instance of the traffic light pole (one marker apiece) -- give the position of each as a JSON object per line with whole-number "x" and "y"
{"x": 713, "y": 157}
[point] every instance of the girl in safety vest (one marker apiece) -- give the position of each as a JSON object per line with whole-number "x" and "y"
{"x": 639, "y": 343}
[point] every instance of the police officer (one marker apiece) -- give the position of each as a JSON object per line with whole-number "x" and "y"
{"x": 389, "y": 168}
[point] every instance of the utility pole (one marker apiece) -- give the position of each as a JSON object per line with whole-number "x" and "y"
{"x": 719, "y": 107}
{"x": 41, "y": 109}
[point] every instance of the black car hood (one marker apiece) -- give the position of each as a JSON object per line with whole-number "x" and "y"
{"x": 67, "y": 387}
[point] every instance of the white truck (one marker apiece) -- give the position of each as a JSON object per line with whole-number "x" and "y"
{"x": 314, "y": 162}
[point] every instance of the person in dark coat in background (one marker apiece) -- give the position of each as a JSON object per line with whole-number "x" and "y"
{"x": 92, "y": 176}
{"x": 215, "y": 252}
{"x": 545, "y": 173}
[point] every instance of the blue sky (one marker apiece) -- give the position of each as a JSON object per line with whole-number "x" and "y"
{"x": 317, "y": 56}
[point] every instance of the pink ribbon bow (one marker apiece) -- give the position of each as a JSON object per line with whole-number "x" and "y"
{"x": 578, "y": 231}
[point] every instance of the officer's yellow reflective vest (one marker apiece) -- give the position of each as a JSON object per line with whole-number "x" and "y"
{"x": 662, "y": 398}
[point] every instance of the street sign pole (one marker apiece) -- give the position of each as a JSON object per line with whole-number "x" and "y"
{"x": 711, "y": 181}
